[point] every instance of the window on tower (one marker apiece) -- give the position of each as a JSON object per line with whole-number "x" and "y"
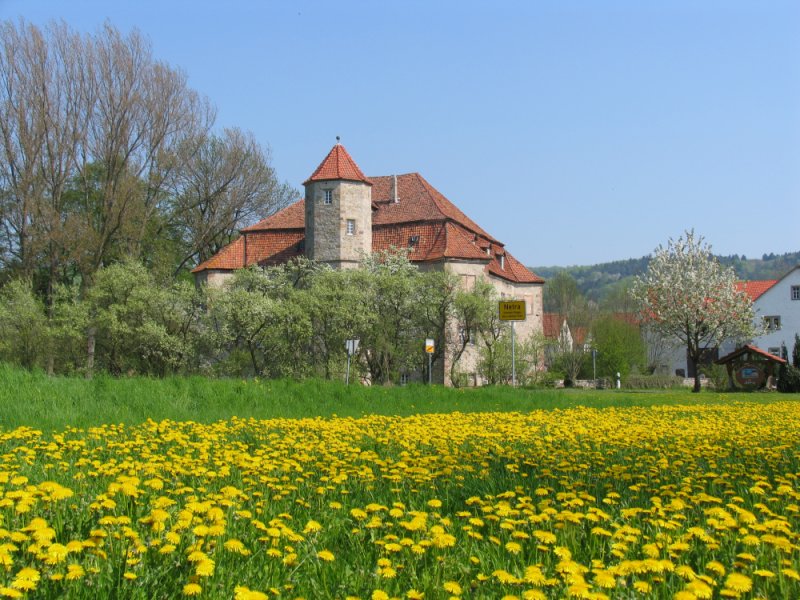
{"x": 351, "y": 227}
{"x": 328, "y": 196}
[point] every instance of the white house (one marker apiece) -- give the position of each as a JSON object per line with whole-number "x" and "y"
{"x": 776, "y": 303}
{"x": 777, "y": 306}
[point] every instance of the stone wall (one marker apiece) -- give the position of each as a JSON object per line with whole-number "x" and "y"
{"x": 327, "y": 238}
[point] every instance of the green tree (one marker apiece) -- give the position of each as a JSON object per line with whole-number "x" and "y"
{"x": 393, "y": 341}
{"x": 619, "y": 346}
{"x": 472, "y": 311}
{"x": 337, "y": 301}
{"x": 265, "y": 316}
{"x": 24, "y": 332}
{"x": 141, "y": 325}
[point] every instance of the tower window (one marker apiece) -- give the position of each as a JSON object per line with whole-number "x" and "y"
{"x": 351, "y": 227}
{"x": 328, "y": 196}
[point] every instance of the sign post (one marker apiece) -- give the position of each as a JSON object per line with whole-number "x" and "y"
{"x": 429, "y": 348}
{"x": 512, "y": 310}
{"x": 352, "y": 347}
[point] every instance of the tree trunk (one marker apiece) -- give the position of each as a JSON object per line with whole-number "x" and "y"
{"x": 696, "y": 387}
{"x": 90, "y": 341}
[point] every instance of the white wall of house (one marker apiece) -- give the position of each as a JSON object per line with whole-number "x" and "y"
{"x": 782, "y": 300}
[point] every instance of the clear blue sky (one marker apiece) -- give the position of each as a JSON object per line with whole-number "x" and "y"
{"x": 575, "y": 132}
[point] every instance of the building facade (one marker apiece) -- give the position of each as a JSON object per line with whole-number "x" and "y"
{"x": 345, "y": 215}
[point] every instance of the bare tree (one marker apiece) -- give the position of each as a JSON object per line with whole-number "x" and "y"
{"x": 225, "y": 183}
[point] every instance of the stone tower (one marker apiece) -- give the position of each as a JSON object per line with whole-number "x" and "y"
{"x": 338, "y": 211}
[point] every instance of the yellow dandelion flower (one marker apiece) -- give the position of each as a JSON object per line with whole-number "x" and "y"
{"x": 192, "y": 589}
{"x": 325, "y": 555}
{"x": 8, "y": 592}
{"x": 74, "y": 571}
{"x": 205, "y": 568}
{"x": 791, "y": 574}
{"x": 642, "y": 587}
{"x": 379, "y": 595}
{"x": 130, "y": 576}
{"x": 414, "y": 595}
{"x": 763, "y": 573}
{"x": 452, "y": 587}
{"x": 513, "y": 547}
{"x": 739, "y": 582}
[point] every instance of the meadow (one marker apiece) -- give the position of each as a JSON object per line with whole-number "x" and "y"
{"x": 182, "y": 488}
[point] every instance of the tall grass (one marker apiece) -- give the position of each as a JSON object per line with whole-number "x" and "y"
{"x": 51, "y": 403}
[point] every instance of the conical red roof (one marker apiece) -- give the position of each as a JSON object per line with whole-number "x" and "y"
{"x": 338, "y": 165}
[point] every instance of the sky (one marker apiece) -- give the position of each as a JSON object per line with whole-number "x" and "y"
{"x": 576, "y": 132}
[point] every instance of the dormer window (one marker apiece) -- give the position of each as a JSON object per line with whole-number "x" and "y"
{"x": 328, "y": 196}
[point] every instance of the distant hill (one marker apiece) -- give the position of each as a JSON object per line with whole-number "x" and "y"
{"x": 597, "y": 281}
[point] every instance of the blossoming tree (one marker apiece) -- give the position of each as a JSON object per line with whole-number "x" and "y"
{"x": 687, "y": 296}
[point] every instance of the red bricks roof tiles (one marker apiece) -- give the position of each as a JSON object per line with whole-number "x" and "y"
{"x": 755, "y": 289}
{"x": 338, "y": 165}
{"x": 421, "y": 219}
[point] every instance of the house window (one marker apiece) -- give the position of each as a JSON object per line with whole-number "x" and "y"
{"x": 403, "y": 378}
{"x": 503, "y": 261}
{"x": 468, "y": 283}
{"x": 772, "y": 323}
{"x": 774, "y": 351}
{"x": 328, "y": 196}
{"x": 796, "y": 292}
{"x": 413, "y": 241}
{"x": 351, "y": 227}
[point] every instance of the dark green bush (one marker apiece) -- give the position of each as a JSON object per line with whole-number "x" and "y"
{"x": 788, "y": 379}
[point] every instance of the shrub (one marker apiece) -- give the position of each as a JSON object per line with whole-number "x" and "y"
{"x": 652, "y": 382}
{"x": 718, "y": 376}
{"x": 788, "y": 379}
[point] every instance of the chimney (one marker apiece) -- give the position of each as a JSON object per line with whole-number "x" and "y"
{"x": 396, "y": 199}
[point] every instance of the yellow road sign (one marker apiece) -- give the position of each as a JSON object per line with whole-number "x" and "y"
{"x": 512, "y": 310}
{"x": 429, "y": 345}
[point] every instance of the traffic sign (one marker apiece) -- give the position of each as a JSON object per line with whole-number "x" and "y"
{"x": 512, "y": 310}
{"x": 429, "y": 345}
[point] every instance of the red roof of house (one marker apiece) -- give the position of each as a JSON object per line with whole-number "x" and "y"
{"x": 755, "y": 289}
{"x": 551, "y": 325}
{"x": 338, "y": 165}
{"x": 421, "y": 219}
{"x": 751, "y": 349}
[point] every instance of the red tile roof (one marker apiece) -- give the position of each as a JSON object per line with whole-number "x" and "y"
{"x": 441, "y": 230}
{"x": 755, "y": 289}
{"x": 338, "y": 165}
{"x": 751, "y": 349}
{"x": 551, "y": 325}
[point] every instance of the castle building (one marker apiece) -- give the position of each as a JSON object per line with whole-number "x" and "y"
{"x": 346, "y": 214}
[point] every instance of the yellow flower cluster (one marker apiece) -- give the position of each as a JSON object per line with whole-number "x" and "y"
{"x": 683, "y": 502}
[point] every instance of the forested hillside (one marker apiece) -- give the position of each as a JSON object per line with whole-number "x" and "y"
{"x": 597, "y": 281}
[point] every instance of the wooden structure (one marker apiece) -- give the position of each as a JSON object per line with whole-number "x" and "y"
{"x": 750, "y": 368}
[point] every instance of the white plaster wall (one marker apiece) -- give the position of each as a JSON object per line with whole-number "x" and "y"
{"x": 777, "y": 301}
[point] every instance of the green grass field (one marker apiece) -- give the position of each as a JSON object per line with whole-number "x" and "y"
{"x": 52, "y": 403}
{"x": 217, "y": 489}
